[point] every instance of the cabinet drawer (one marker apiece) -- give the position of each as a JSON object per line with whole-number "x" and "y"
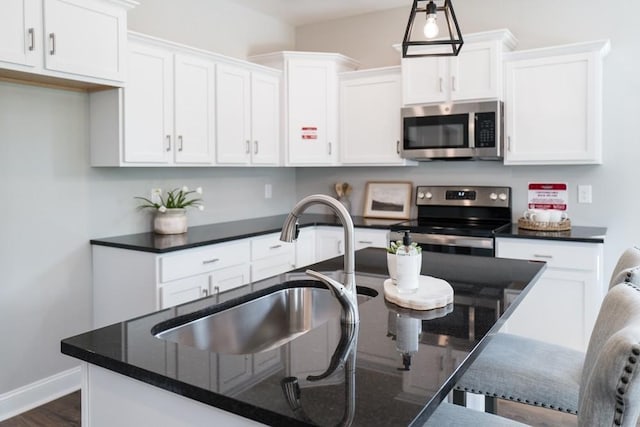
{"x": 201, "y": 260}
{"x": 569, "y": 255}
{"x": 268, "y": 246}
{"x": 371, "y": 238}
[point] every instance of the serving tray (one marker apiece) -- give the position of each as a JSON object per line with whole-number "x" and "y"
{"x": 431, "y": 293}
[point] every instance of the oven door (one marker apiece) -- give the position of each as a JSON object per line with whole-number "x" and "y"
{"x": 461, "y": 245}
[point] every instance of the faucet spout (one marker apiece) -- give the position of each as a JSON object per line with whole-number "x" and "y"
{"x": 349, "y": 297}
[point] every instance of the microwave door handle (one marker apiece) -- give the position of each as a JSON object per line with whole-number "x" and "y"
{"x": 472, "y": 130}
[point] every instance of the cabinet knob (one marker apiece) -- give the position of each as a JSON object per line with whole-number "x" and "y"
{"x": 398, "y": 146}
{"x": 255, "y": 147}
{"x": 248, "y": 150}
{"x": 168, "y": 141}
{"x": 205, "y": 292}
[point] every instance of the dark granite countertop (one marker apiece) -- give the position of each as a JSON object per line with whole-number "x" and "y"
{"x": 403, "y": 356}
{"x": 576, "y": 234}
{"x": 202, "y": 235}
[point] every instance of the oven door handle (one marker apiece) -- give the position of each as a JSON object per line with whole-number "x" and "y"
{"x": 452, "y": 240}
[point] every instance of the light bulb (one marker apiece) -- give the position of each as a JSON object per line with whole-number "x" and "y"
{"x": 431, "y": 29}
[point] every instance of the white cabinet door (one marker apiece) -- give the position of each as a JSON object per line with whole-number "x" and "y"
{"x": 194, "y": 109}
{"x": 329, "y": 242}
{"x": 233, "y": 115}
{"x": 86, "y": 38}
{"x": 424, "y": 80}
{"x": 306, "y": 247}
{"x": 312, "y": 109}
{"x": 265, "y": 119}
{"x": 233, "y": 371}
{"x": 563, "y": 305}
{"x": 553, "y": 106}
{"x": 475, "y": 72}
{"x": 20, "y": 32}
{"x": 184, "y": 290}
{"x": 148, "y": 106}
{"x": 230, "y": 278}
{"x": 370, "y": 105}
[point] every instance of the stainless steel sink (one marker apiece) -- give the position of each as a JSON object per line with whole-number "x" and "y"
{"x": 260, "y": 324}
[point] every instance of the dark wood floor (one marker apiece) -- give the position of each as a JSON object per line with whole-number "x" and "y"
{"x": 61, "y": 412}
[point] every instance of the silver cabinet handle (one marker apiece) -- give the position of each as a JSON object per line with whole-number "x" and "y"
{"x": 248, "y": 150}
{"x": 32, "y": 39}
{"x": 255, "y": 147}
{"x": 453, "y": 83}
{"x": 543, "y": 256}
{"x": 180, "y": 142}
{"x": 365, "y": 242}
{"x": 52, "y": 41}
{"x": 398, "y": 146}
{"x": 205, "y": 292}
{"x": 216, "y": 290}
{"x": 168, "y": 141}
{"x": 509, "y": 143}
{"x": 441, "y": 82}
{"x": 329, "y": 148}
{"x": 275, "y": 247}
{"x": 210, "y": 261}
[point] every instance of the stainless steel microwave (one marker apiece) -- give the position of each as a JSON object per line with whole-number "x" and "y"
{"x": 471, "y": 130}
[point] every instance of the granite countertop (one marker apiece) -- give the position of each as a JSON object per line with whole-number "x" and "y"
{"x": 576, "y": 234}
{"x": 202, "y": 235}
{"x": 402, "y": 357}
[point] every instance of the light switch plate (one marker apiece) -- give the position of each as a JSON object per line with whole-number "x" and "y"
{"x": 155, "y": 195}
{"x": 585, "y": 194}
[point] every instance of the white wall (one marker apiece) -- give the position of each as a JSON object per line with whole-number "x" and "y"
{"x": 367, "y": 38}
{"x": 54, "y": 202}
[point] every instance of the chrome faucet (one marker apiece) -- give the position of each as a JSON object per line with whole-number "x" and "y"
{"x": 346, "y": 294}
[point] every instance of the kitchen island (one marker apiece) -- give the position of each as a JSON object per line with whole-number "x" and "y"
{"x": 406, "y": 362}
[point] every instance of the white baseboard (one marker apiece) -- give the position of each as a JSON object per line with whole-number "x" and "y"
{"x": 38, "y": 393}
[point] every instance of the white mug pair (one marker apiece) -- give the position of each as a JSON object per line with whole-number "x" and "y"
{"x": 545, "y": 216}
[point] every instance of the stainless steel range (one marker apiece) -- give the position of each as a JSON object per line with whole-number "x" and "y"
{"x": 458, "y": 219}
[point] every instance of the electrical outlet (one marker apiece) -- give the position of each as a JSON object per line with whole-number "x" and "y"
{"x": 155, "y": 195}
{"x": 268, "y": 191}
{"x": 584, "y": 194}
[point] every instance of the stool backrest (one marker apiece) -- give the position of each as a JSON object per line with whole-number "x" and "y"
{"x": 628, "y": 268}
{"x": 610, "y": 389}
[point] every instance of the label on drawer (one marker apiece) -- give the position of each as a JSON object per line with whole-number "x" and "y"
{"x": 550, "y": 195}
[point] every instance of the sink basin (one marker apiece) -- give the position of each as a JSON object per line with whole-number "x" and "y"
{"x": 260, "y": 324}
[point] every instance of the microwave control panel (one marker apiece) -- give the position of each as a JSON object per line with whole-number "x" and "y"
{"x": 485, "y": 129}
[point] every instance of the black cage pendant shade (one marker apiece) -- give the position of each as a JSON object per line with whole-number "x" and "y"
{"x": 432, "y": 23}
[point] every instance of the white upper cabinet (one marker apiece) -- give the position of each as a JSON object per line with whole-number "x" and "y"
{"x": 476, "y": 73}
{"x": 370, "y": 102}
{"x": 311, "y": 104}
{"x": 553, "y": 105}
{"x": 248, "y": 116}
{"x": 78, "y": 40}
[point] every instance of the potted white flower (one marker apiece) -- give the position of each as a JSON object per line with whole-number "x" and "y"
{"x": 170, "y": 210}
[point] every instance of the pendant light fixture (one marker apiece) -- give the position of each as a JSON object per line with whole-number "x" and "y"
{"x": 431, "y": 22}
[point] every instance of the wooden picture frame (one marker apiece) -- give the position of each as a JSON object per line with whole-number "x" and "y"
{"x": 388, "y": 200}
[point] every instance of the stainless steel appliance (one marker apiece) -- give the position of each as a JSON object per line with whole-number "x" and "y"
{"x": 458, "y": 219}
{"x": 472, "y": 130}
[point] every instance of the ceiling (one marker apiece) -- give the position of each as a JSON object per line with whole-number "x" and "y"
{"x": 301, "y": 12}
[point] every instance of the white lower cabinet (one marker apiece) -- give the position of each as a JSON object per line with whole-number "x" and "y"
{"x": 370, "y": 237}
{"x": 563, "y": 305}
{"x": 271, "y": 256}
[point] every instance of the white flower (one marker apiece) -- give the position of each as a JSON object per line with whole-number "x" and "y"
{"x": 200, "y": 207}
{"x": 185, "y": 189}
{"x": 199, "y": 190}
{"x": 162, "y": 209}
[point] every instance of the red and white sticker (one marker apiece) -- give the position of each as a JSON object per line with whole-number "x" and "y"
{"x": 309, "y": 132}
{"x": 548, "y": 195}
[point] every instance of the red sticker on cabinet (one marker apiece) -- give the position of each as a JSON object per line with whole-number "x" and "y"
{"x": 309, "y": 132}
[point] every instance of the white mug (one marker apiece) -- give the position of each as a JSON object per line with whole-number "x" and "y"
{"x": 556, "y": 215}
{"x": 542, "y": 216}
{"x": 530, "y": 212}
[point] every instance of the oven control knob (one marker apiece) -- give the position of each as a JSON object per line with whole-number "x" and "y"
{"x": 493, "y": 196}
{"x": 502, "y": 196}
{"x": 420, "y": 195}
{"x": 428, "y": 195}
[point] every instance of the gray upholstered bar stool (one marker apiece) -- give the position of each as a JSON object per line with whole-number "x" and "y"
{"x": 628, "y": 268}
{"x": 601, "y": 386}
{"x": 450, "y": 415}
